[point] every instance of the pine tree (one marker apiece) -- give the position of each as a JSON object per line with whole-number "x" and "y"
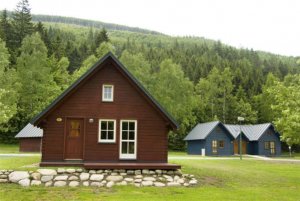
{"x": 6, "y": 34}
{"x": 22, "y": 24}
{"x": 39, "y": 27}
{"x": 91, "y": 42}
{"x": 75, "y": 60}
{"x": 57, "y": 47}
{"x": 101, "y": 37}
{"x": 5, "y": 26}
{"x": 83, "y": 51}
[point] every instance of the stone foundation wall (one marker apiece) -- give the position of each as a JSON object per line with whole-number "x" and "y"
{"x": 99, "y": 178}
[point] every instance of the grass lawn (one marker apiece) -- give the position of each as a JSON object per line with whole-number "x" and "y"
{"x": 287, "y": 155}
{"x": 219, "y": 180}
{"x": 9, "y": 148}
{"x": 18, "y": 163}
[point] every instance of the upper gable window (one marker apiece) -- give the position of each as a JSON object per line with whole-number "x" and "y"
{"x": 108, "y": 93}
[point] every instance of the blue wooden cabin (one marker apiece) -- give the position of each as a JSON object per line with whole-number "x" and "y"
{"x": 216, "y": 138}
{"x": 213, "y": 137}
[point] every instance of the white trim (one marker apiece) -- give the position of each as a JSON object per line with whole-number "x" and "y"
{"x": 99, "y": 131}
{"x": 112, "y": 93}
{"x": 128, "y": 156}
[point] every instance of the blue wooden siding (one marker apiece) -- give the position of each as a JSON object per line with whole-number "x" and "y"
{"x": 195, "y": 146}
{"x": 220, "y": 134}
{"x": 253, "y": 148}
{"x": 269, "y": 135}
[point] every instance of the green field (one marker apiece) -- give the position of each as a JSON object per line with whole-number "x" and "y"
{"x": 9, "y": 148}
{"x": 218, "y": 180}
{"x": 287, "y": 155}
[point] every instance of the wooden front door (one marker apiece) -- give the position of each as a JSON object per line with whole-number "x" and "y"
{"x": 244, "y": 147}
{"x": 74, "y": 139}
{"x": 236, "y": 147}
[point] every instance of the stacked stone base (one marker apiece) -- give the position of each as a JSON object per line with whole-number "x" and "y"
{"x": 98, "y": 178}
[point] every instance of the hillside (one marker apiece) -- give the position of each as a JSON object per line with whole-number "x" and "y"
{"x": 87, "y": 23}
{"x": 195, "y": 79}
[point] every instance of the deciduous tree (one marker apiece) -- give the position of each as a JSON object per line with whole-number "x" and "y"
{"x": 38, "y": 87}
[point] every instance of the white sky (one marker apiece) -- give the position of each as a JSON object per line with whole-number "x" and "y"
{"x": 269, "y": 25}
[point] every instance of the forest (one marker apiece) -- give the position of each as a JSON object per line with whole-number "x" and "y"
{"x": 195, "y": 79}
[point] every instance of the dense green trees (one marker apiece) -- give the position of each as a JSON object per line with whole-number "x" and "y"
{"x": 195, "y": 79}
{"x": 175, "y": 92}
{"x": 7, "y": 93}
{"x": 37, "y": 85}
{"x": 286, "y": 108}
{"x": 138, "y": 66}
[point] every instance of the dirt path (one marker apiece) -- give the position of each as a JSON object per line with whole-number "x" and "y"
{"x": 245, "y": 157}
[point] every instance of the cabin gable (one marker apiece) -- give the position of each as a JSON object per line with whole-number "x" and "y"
{"x": 85, "y": 103}
{"x": 268, "y": 137}
{"x": 221, "y": 136}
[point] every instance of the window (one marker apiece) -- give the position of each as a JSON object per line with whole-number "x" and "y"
{"x": 128, "y": 134}
{"x": 267, "y": 145}
{"x": 74, "y": 129}
{"x": 221, "y": 144}
{"x": 272, "y": 147}
{"x": 108, "y": 93}
{"x": 214, "y": 145}
{"x": 107, "y": 130}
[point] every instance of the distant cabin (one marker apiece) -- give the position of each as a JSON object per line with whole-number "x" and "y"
{"x": 218, "y": 139}
{"x": 30, "y": 139}
{"x": 106, "y": 120}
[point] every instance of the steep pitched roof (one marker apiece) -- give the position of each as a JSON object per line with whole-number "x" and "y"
{"x": 252, "y": 132}
{"x": 86, "y": 75}
{"x": 201, "y": 131}
{"x": 30, "y": 131}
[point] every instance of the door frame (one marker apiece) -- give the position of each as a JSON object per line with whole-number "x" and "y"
{"x": 128, "y": 156}
{"x": 65, "y": 136}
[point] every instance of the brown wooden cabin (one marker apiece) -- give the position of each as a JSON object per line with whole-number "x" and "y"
{"x": 106, "y": 119}
{"x": 30, "y": 138}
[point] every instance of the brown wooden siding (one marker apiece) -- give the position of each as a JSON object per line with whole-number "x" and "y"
{"x": 128, "y": 103}
{"x": 30, "y": 144}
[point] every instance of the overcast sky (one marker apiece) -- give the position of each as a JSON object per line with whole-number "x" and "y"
{"x": 269, "y": 25}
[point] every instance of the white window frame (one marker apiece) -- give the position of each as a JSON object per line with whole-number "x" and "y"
{"x": 100, "y": 140}
{"x": 112, "y": 93}
{"x": 128, "y": 156}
